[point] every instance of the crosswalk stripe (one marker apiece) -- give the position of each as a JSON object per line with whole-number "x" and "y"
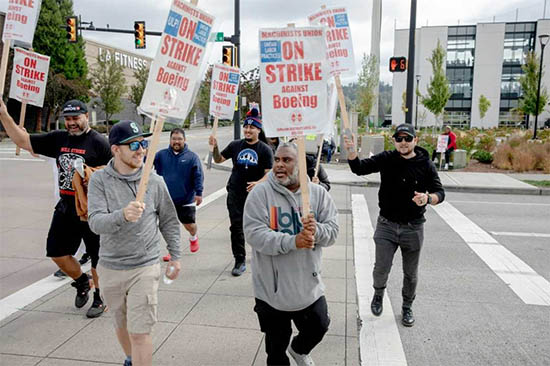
{"x": 509, "y": 233}
{"x": 379, "y": 339}
{"x": 518, "y": 275}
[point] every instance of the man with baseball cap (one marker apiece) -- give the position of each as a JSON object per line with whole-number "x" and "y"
{"x": 129, "y": 263}
{"x": 78, "y": 143}
{"x": 409, "y": 182}
{"x": 252, "y": 159}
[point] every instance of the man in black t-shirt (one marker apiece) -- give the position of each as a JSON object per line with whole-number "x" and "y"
{"x": 76, "y": 145}
{"x": 252, "y": 159}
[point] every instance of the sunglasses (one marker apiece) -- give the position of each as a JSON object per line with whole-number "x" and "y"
{"x": 134, "y": 145}
{"x": 407, "y": 138}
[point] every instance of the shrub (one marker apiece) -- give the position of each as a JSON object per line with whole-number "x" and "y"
{"x": 523, "y": 161}
{"x": 465, "y": 142}
{"x": 483, "y": 156}
{"x": 503, "y": 157}
{"x": 100, "y": 128}
{"x": 486, "y": 142}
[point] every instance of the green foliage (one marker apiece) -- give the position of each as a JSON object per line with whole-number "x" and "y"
{"x": 136, "y": 90}
{"x": 538, "y": 183}
{"x": 465, "y": 142}
{"x": 529, "y": 85}
{"x": 203, "y": 97}
{"x": 484, "y": 105}
{"x": 368, "y": 82}
{"x": 404, "y": 102}
{"x": 250, "y": 88}
{"x": 486, "y": 142}
{"x": 483, "y": 156}
{"x": 109, "y": 84}
{"x": 439, "y": 91}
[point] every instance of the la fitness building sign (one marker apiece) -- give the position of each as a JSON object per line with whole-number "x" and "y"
{"x": 126, "y": 60}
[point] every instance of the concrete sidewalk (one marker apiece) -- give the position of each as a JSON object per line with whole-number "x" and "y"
{"x": 206, "y": 316}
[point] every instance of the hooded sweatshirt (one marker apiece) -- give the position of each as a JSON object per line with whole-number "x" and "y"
{"x": 287, "y": 278}
{"x": 126, "y": 245}
{"x": 399, "y": 179}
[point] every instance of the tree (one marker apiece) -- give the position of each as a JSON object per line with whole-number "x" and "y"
{"x": 484, "y": 105}
{"x": 439, "y": 91}
{"x": 250, "y": 87}
{"x": 529, "y": 85}
{"x": 109, "y": 84}
{"x": 136, "y": 90}
{"x": 404, "y": 102}
{"x": 368, "y": 82}
{"x": 203, "y": 98}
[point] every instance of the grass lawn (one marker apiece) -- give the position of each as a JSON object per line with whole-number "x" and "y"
{"x": 538, "y": 183}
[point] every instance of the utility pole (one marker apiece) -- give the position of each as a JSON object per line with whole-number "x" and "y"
{"x": 410, "y": 66}
{"x": 236, "y": 40}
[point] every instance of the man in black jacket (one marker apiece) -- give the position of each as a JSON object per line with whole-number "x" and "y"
{"x": 409, "y": 182}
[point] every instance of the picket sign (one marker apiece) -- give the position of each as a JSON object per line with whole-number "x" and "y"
{"x": 320, "y": 146}
{"x": 158, "y": 122}
{"x": 211, "y": 152}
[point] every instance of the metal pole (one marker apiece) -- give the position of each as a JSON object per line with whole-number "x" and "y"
{"x": 416, "y": 113}
{"x": 410, "y": 66}
{"x": 538, "y": 91}
{"x": 237, "y": 43}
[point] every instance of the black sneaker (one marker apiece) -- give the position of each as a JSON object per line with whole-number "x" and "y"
{"x": 239, "y": 269}
{"x": 82, "y": 290}
{"x": 60, "y": 274}
{"x": 84, "y": 259}
{"x": 407, "y": 317}
{"x": 376, "y": 305}
{"x": 98, "y": 308}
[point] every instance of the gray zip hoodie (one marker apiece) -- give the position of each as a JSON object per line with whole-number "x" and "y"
{"x": 126, "y": 245}
{"x": 287, "y": 278}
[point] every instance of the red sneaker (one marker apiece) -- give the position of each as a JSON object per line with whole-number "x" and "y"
{"x": 194, "y": 245}
{"x": 167, "y": 258}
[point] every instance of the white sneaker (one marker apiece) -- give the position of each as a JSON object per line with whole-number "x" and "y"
{"x": 446, "y": 167}
{"x": 301, "y": 360}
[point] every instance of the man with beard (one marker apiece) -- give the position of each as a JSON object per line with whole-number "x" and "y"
{"x": 78, "y": 143}
{"x": 130, "y": 240}
{"x": 182, "y": 171}
{"x": 252, "y": 159}
{"x": 409, "y": 182}
{"x": 286, "y": 260}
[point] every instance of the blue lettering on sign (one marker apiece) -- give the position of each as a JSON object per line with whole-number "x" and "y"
{"x": 172, "y": 24}
{"x": 233, "y": 78}
{"x": 341, "y": 20}
{"x": 270, "y": 51}
{"x": 201, "y": 34}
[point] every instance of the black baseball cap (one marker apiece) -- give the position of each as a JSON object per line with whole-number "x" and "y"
{"x": 405, "y": 128}
{"x": 125, "y": 131}
{"x": 73, "y": 108}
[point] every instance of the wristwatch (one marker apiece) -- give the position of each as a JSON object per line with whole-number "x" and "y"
{"x": 429, "y": 201}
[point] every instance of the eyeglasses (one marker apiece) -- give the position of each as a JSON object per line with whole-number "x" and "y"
{"x": 407, "y": 138}
{"x": 134, "y": 145}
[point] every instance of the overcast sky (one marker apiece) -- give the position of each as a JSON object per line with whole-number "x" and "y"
{"x": 277, "y": 13}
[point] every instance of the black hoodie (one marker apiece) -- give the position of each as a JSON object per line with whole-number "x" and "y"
{"x": 400, "y": 178}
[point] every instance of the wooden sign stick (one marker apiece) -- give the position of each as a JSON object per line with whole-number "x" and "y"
{"x": 21, "y": 123}
{"x": 4, "y": 65}
{"x": 304, "y": 180}
{"x": 150, "y": 157}
{"x": 319, "y": 155}
{"x": 211, "y": 152}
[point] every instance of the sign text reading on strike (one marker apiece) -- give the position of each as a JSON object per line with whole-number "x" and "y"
{"x": 293, "y": 72}
{"x": 27, "y": 70}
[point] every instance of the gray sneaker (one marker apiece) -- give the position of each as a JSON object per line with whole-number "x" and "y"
{"x": 97, "y": 308}
{"x": 301, "y": 360}
{"x": 239, "y": 269}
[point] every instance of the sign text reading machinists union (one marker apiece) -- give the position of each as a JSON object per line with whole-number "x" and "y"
{"x": 175, "y": 72}
{"x": 293, "y": 75}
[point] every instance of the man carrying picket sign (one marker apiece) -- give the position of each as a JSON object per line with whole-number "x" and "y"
{"x": 77, "y": 143}
{"x": 252, "y": 159}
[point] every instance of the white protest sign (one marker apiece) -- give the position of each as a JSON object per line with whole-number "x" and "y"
{"x": 442, "y": 141}
{"x": 338, "y": 35}
{"x": 174, "y": 76}
{"x": 20, "y": 21}
{"x": 293, "y": 78}
{"x": 29, "y": 77}
{"x": 223, "y": 91}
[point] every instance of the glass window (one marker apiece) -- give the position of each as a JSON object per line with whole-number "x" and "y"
{"x": 452, "y": 31}
{"x": 461, "y": 31}
{"x": 520, "y": 27}
{"x": 509, "y": 27}
{"x": 530, "y": 27}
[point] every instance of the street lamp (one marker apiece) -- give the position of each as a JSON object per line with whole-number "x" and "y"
{"x": 543, "y": 38}
{"x": 416, "y": 113}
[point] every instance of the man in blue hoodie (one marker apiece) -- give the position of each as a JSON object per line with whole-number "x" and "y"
{"x": 286, "y": 260}
{"x": 182, "y": 171}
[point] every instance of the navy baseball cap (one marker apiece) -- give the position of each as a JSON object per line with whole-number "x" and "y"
{"x": 405, "y": 128}
{"x": 125, "y": 131}
{"x": 73, "y": 108}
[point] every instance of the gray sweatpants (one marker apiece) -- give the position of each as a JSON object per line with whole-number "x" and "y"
{"x": 388, "y": 237}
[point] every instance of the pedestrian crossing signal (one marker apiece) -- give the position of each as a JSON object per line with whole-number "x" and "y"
{"x": 227, "y": 55}
{"x": 398, "y": 64}
{"x": 139, "y": 33}
{"x": 72, "y": 29}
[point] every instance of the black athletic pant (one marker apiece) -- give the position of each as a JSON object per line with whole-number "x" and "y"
{"x": 447, "y": 155}
{"x": 388, "y": 237}
{"x": 235, "y": 206}
{"x": 312, "y": 324}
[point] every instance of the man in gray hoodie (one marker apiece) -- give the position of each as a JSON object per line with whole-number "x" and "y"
{"x": 130, "y": 231}
{"x": 286, "y": 259}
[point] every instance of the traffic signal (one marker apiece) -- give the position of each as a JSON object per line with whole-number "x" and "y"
{"x": 398, "y": 64}
{"x": 139, "y": 34}
{"x": 227, "y": 55}
{"x": 72, "y": 29}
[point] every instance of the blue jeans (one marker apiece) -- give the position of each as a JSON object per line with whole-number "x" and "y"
{"x": 388, "y": 237}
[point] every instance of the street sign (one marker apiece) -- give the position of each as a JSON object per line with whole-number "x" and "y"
{"x": 219, "y": 37}
{"x": 398, "y": 64}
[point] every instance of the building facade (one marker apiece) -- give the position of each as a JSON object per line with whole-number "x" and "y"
{"x": 483, "y": 59}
